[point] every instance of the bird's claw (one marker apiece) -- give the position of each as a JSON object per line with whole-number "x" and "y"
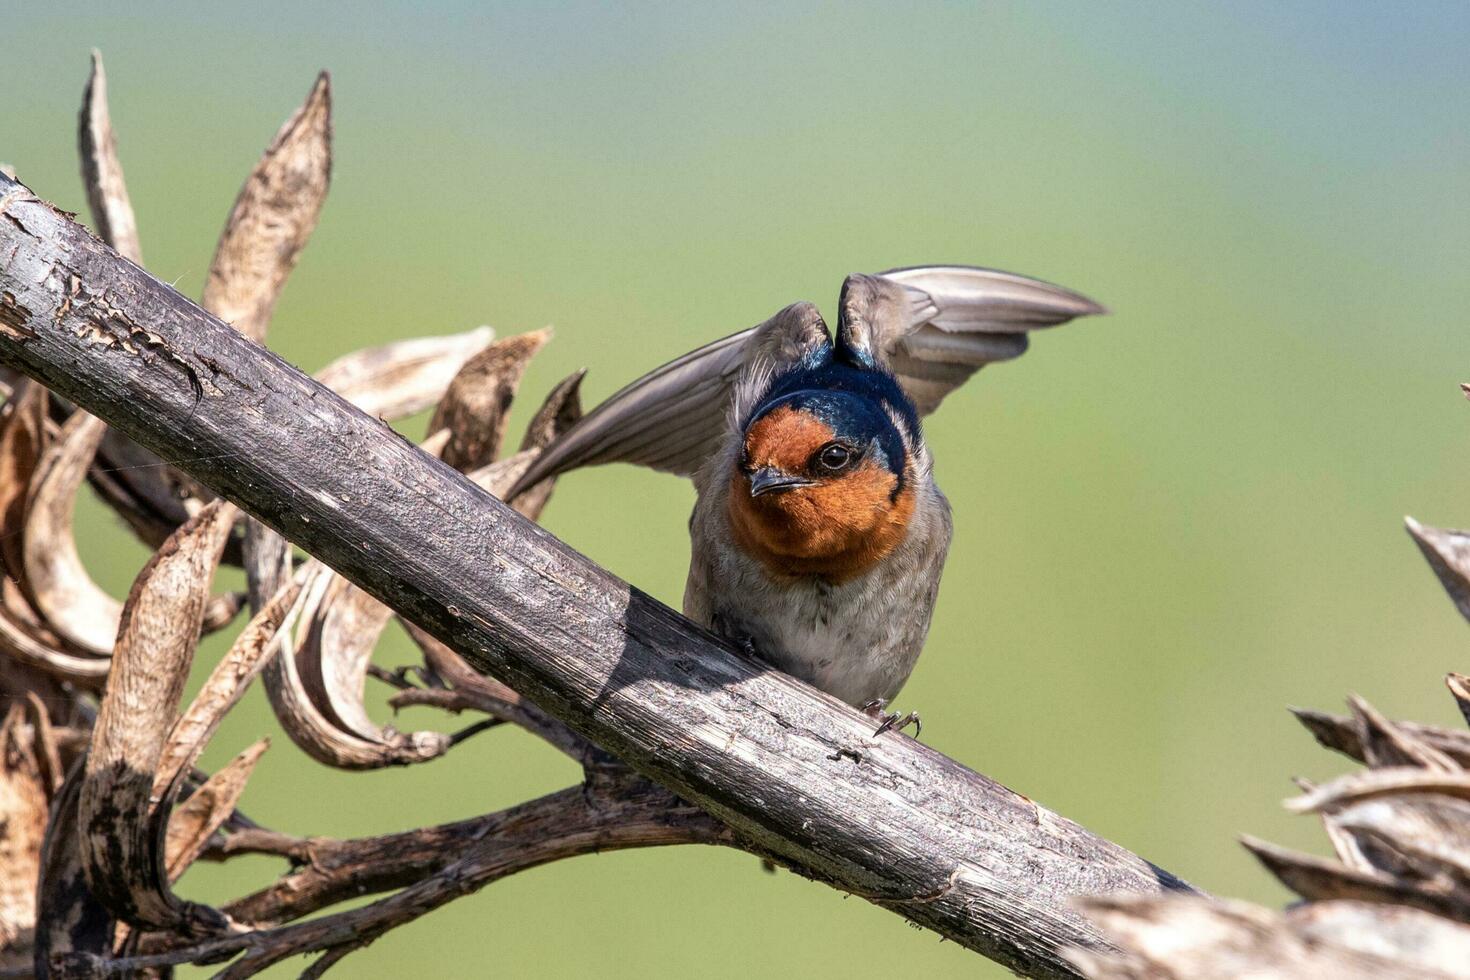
{"x": 891, "y": 720}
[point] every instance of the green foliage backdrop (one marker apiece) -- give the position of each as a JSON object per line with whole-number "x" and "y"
{"x": 1171, "y": 522}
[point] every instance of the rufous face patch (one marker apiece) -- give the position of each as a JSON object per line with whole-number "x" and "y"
{"x": 837, "y": 528}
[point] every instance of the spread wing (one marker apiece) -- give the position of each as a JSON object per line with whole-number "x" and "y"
{"x": 674, "y": 418}
{"x": 933, "y": 326}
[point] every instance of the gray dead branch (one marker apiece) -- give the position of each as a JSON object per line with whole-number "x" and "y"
{"x": 785, "y": 772}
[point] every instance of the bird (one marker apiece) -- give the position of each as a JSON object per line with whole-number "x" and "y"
{"x": 819, "y": 535}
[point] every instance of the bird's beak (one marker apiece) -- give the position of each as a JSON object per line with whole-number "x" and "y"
{"x": 768, "y": 479}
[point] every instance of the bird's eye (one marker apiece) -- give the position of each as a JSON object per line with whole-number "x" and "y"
{"x": 834, "y": 456}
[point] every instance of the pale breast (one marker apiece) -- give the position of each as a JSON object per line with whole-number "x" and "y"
{"x": 858, "y": 640}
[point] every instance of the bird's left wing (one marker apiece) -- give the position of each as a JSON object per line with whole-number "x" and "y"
{"x": 674, "y": 418}
{"x": 934, "y": 326}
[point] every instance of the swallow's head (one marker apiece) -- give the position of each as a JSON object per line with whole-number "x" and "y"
{"x": 824, "y": 484}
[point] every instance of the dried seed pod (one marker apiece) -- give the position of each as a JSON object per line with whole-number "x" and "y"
{"x": 25, "y": 793}
{"x": 122, "y": 822}
{"x": 476, "y": 405}
{"x": 559, "y": 412}
{"x": 1191, "y": 938}
{"x": 1358, "y": 786}
{"x": 74, "y": 606}
{"x": 398, "y": 379}
{"x": 1448, "y": 553}
{"x": 102, "y": 175}
{"x": 1341, "y": 734}
{"x": 1385, "y": 744}
{"x": 1320, "y": 879}
{"x": 192, "y": 823}
{"x": 226, "y": 684}
{"x": 273, "y": 218}
{"x": 70, "y": 921}
{"x": 312, "y": 729}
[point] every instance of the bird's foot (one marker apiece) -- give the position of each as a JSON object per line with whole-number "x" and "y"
{"x": 891, "y": 720}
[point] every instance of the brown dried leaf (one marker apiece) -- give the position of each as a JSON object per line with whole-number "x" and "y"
{"x": 476, "y": 405}
{"x": 1341, "y": 734}
{"x": 73, "y": 605}
{"x": 1448, "y": 553}
{"x": 193, "y": 822}
{"x": 1320, "y": 879}
{"x": 312, "y": 730}
{"x": 227, "y": 683}
{"x": 1386, "y": 745}
{"x": 122, "y": 843}
{"x": 401, "y": 378}
{"x": 102, "y": 175}
{"x": 273, "y": 218}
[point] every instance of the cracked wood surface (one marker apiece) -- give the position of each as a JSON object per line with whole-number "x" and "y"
{"x": 793, "y": 772}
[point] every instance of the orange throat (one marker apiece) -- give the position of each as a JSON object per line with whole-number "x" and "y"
{"x": 835, "y": 530}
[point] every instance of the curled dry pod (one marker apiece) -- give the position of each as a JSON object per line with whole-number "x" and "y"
{"x": 1321, "y": 879}
{"x": 1192, "y": 938}
{"x": 311, "y": 724}
{"x": 226, "y": 685}
{"x": 24, "y": 441}
{"x": 1386, "y": 745}
{"x": 73, "y": 606}
{"x": 122, "y": 821}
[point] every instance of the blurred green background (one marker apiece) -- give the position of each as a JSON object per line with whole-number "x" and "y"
{"x": 1171, "y": 522}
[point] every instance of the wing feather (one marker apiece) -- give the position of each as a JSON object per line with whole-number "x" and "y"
{"x": 674, "y": 418}
{"x": 949, "y": 321}
{"x": 933, "y": 326}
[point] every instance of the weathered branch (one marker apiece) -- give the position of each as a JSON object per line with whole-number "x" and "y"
{"x": 791, "y": 771}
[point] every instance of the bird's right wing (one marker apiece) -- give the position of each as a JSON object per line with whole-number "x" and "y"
{"x": 674, "y": 418}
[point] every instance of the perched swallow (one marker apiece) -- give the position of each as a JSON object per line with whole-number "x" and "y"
{"x": 819, "y": 535}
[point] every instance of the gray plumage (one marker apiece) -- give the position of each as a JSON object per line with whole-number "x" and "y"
{"x": 932, "y": 327}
